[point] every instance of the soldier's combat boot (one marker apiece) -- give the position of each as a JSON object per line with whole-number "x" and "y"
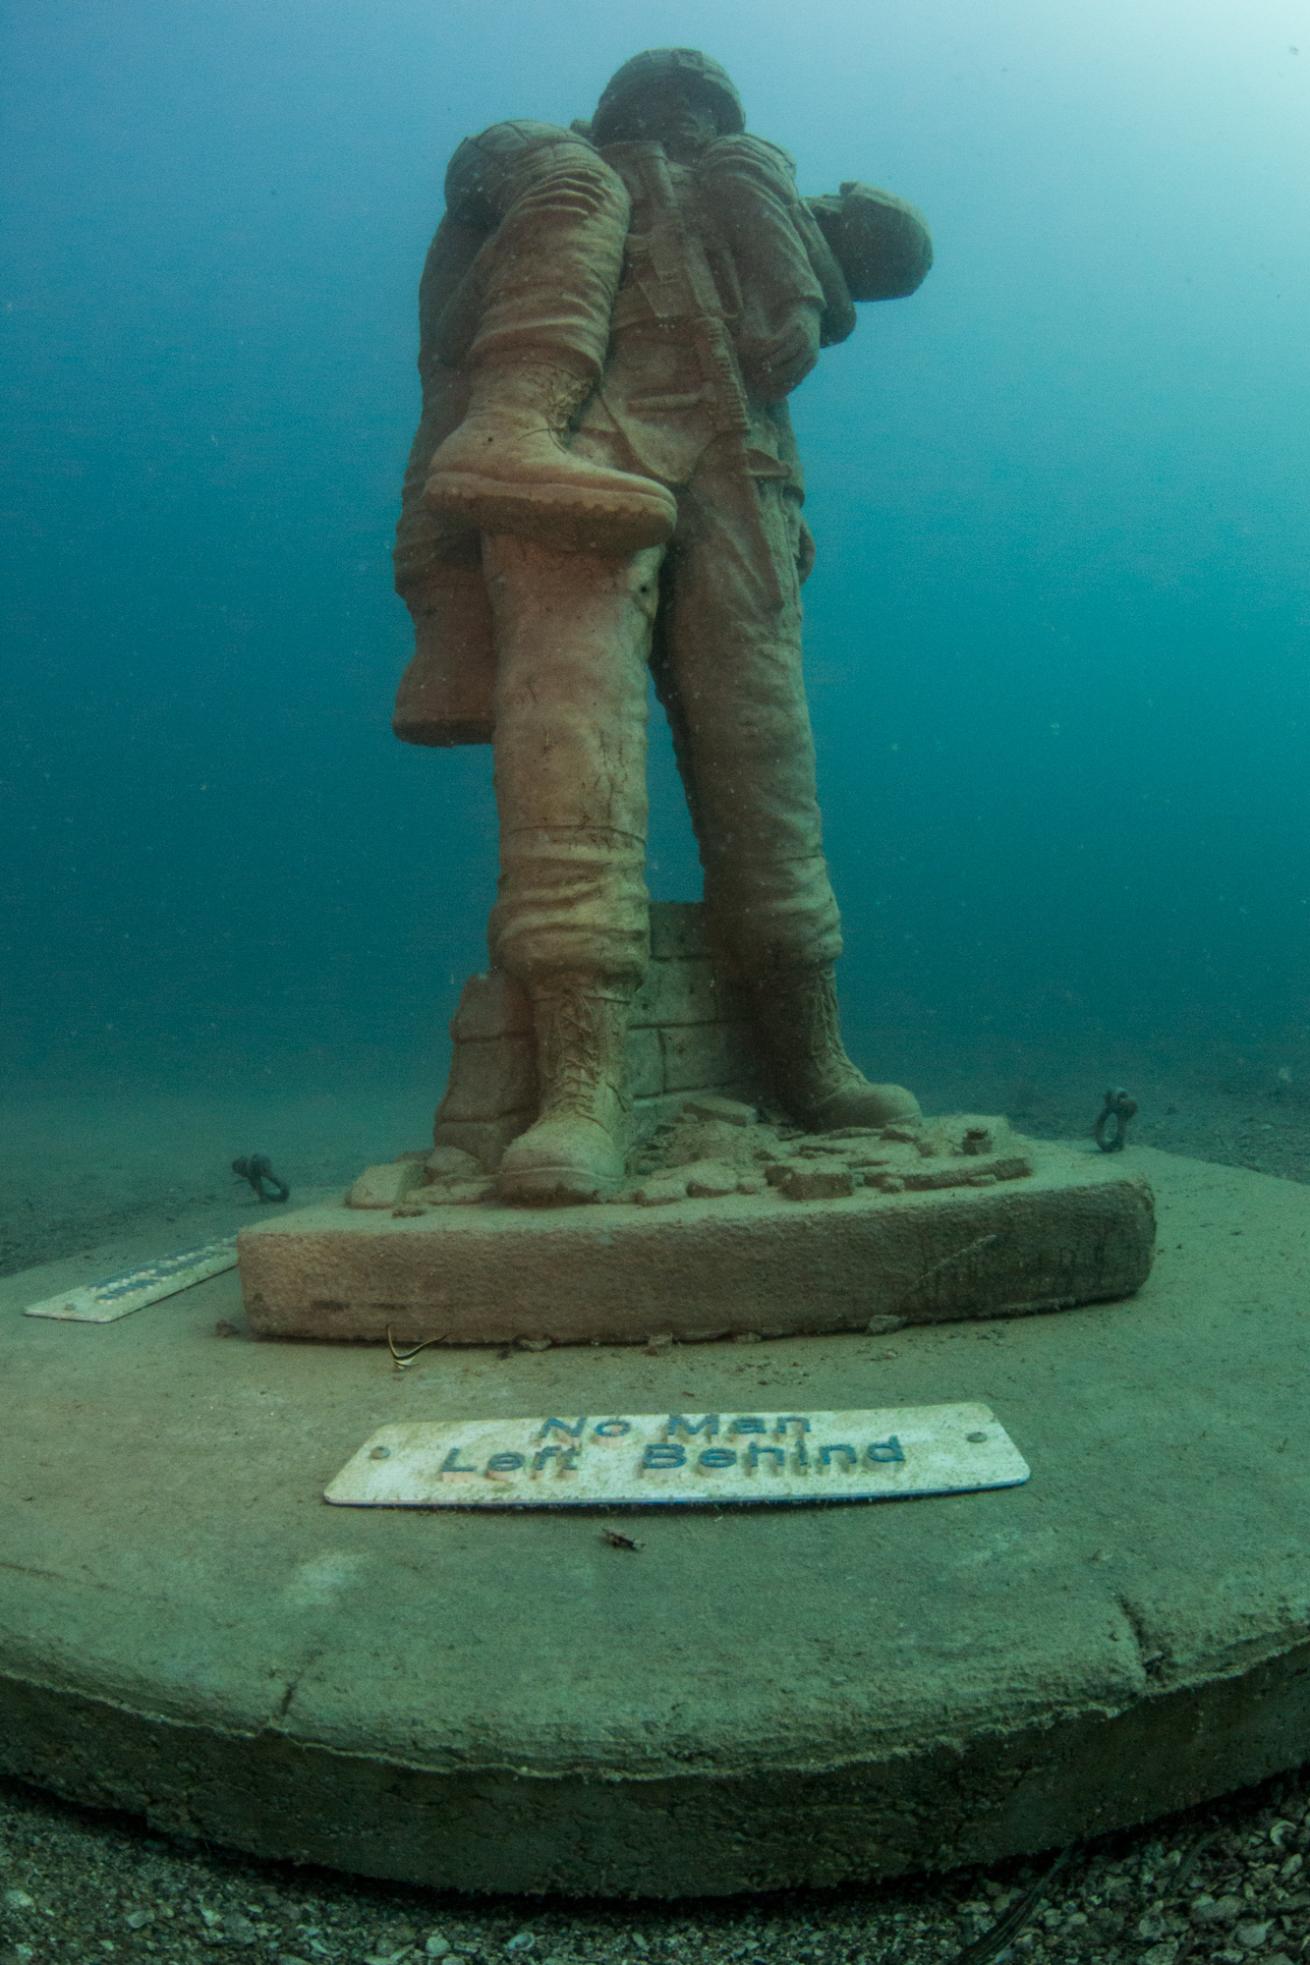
{"x": 507, "y": 468}
{"x": 796, "y": 1016}
{"x": 577, "y": 1149}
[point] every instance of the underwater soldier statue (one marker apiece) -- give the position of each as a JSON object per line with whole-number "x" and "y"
{"x": 605, "y": 484}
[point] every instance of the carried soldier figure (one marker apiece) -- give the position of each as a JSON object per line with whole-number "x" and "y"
{"x": 604, "y": 485}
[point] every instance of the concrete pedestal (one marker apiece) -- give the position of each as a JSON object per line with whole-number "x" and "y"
{"x": 771, "y": 1697}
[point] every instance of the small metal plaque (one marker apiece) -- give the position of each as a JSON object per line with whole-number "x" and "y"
{"x": 638, "y": 1460}
{"x": 118, "y": 1296}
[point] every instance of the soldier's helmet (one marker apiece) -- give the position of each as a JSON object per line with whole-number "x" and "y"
{"x": 655, "y": 69}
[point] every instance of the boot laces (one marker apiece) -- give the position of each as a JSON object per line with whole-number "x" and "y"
{"x": 572, "y": 1058}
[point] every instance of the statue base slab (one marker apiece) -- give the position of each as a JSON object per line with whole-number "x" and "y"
{"x": 808, "y": 1696}
{"x": 1019, "y": 1227}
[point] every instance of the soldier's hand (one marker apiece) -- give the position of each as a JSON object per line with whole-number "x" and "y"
{"x": 773, "y": 365}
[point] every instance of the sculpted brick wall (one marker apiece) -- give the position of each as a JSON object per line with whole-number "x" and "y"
{"x": 685, "y": 1035}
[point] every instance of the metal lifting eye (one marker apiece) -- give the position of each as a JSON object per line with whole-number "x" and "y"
{"x": 257, "y": 1170}
{"x": 1110, "y": 1130}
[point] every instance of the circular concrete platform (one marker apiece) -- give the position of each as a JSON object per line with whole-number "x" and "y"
{"x": 756, "y": 1698}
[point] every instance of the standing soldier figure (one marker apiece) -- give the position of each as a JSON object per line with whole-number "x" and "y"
{"x": 605, "y": 484}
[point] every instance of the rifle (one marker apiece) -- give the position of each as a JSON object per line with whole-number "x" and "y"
{"x": 686, "y": 293}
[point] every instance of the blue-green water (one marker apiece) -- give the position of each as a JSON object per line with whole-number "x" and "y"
{"x": 1058, "y": 632}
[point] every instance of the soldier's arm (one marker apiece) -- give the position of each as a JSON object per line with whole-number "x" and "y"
{"x": 782, "y": 257}
{"x": 880, "y": 242}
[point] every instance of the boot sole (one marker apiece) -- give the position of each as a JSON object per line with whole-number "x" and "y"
{"x": 553, "y": 515}
{"x": 555, "y": 1187}
{"x": 879, "y": 1108}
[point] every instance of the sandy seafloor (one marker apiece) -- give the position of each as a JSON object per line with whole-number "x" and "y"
{"x": 1224, "y": 1885}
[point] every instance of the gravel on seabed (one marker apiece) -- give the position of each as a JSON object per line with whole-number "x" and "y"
{"x": 1226, "y": 1884}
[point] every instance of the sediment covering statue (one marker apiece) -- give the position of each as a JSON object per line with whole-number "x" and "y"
{"x": 605, "y": 482}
